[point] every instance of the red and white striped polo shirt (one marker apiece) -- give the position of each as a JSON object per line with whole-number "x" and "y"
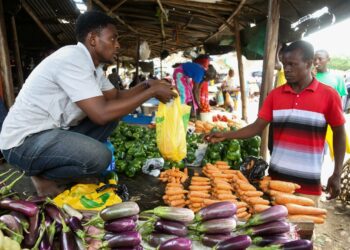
{"x": 299, "y": 123}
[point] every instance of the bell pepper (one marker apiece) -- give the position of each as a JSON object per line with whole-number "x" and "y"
{"x": 234, "y": 145}
{"x": 233, "y": 155}
{"x": 254, "y": 142}
{"x": 130, "y": 171}
{"x": 120, "y": 165}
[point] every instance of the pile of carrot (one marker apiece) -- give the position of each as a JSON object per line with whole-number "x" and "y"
{"x": 300, "y": 209}
{"x": 248, "y": 194}
{"x": 174, "y": 190}
{"x": 174, "y": 175}
{"x": 198, "y": 195}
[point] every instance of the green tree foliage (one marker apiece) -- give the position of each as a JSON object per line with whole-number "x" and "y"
{"x": 340, "y": 63}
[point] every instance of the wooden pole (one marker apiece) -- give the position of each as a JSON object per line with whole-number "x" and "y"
{"x": 137, "y": 60}
{"x": 240, "y": 71}
{"x": 39, "y": 23}
{"x": 5, "y": 67}
{"x": 89, "y": 5}
{"x": 271, "y": 41}
{"x": 17, "y": 53}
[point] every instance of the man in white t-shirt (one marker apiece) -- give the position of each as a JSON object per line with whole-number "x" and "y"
{"x": 67, "y": 108}
{"x": 232, "y": 87}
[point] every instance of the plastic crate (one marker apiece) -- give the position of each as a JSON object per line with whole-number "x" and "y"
{"x": 137, "y": 119}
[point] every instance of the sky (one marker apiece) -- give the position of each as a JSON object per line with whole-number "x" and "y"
{"x": 335, "y": 39}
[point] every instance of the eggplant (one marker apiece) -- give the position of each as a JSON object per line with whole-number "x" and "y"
{"x": 21, "y": 219}
{"x": 54, "y": 213}
{"x": 139, "y": 247}
{"x": 33, "y": 231}
{"x": 156, "y": 239}
{"x": 16, "y": 230}
{"x": 6, "y": 189}
{"x": 67, "y": 240}
{"x": 183, "y": 215}
{"x": 80, "y": 244}
{"x": 37, "y": 199}
{"x": 45, "y": 242}
{"x": 273, "y": 213}
{"x": 270, "y": 240}
{"x": 120, "y": 225}
{"x": 75, "y": 225}
{"x": 72, "y": 212}
{"x": 124, "y": 239}
{"x": 176, "y": 244}
{"x": 274, "y": 227}
{"x": 297, "y": 245}
{"x": 239, "y": 242}
{"x": 217, "y": 226}
{"x": 170, "y": 227}
{"x": 211, "y": 240}
{"x": 25, "y": 207}
{"x": 217, "y": 210}
{"x": 121, "y": 210}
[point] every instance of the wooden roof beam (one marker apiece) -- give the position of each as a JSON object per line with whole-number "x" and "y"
{"x": 105, "y": 8}
{"x": 31, "y": 13}
{"x": 239, "y": 7}
{"x": 115, "y": 7}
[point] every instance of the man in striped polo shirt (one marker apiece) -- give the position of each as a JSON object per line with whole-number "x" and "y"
{"x": 299, "y": 112}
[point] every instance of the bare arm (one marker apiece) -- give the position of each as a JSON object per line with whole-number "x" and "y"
{"x": 333, "y": 185}
{"x": 102, "y": 109}
{"x": 196, "y": 93}
{"x": 249, "y": 131}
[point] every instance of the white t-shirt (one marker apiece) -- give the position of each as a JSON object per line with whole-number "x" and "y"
{"x": 47, "y": 99}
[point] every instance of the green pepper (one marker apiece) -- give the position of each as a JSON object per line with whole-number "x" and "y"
{"x": 167, "y": 165}
{"x": 119, "y": 155}
{"x": 129, "y": 144}
{"x": 120, "y": 165}
{"x": 254, "y": 141}
{"x": 233, "y": 155}
{"x": 234, "y": 145}
{"x": 130, "y": 171}
{"x": 214, "y": 156}
{"x": 254, "y": 152}
{"x": 190, "y": 157}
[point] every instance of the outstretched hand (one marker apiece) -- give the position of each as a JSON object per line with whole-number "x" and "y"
{"x": 162, "y": 90}
{"x": 215, "y": 137}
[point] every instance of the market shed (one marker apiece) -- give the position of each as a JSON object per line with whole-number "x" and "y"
{"x": 31, "y": 29}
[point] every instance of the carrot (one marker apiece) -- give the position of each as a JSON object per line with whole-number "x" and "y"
{"x": 196, "y": 183}
{"x": 241, "y": 210}
{"x": 306, "y": 218}
{"x": 199, "y": 194}
{"x": 199, "y": 188}
{"x": 299, "y": 209}
{"x": 195, "y": 209}
{"x": 223, "y": 187}
{"x": 226, "y": 196}
{"x": 242, "y": 177}
{"x": 180, "y": 205}
{"x": 172, "y": 184}
{"x": 283, "y": 199}
{"x": 177, "y": 202}
{"x": 186, "y": 171}
{"x": 253, "y": 193}
{"x": 221, "y": 163}
{"x": 260, "y": 207}
{"x": 257, "y": 200}
{"x": 242, "y": 215}
{"x": 246, "y": 186}
{"x": 283, "y": 186}
{"x": 196, "y": 199}
{"x": 196, "y": 205}
{"x": 274, "y": 192}
{"x": 210, "y": 201}
{"x": 175, "y": 197}
{"x": 247, "y": 217}
{"x": 198, "y": 178}
{"x": 175, "y": 191}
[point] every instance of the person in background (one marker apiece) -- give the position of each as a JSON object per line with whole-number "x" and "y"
{"x": 324, "y": 75}
{"x": 231, "y": 86}
{"x": 300, "y": 112}
{"x": 115, "y": 79}
{"x": 280, "y": 78}
{"x": 67, "y": 108}
{"x": 203, "y": 60}
{"x": 188, "y": 78}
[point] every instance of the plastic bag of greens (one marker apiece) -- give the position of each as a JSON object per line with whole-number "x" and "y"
{"x": 171, "y": 125}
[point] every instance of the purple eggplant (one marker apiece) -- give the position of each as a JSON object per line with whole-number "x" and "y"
{"x": 120, "y": 225}
{"x": 211, "y": 240}
{"x": 270, "y": 240}
{"x": 217, "y": 226}
{"x": 21, "y": 219}
{"x": 176, "y": 244}
{"x": 54, "y": 213}
{"x": 25, "y": 207}
{"x": 124, "y": 239}
{"x": 37, "y": 199}
{"x": 273, "y": 213}
{"x": 45, "y": 242}
{"x": 239, "y": 242}
{"x": 297, "y": 245}
{"x": 170, "y": 227}
{"x": 33, "y": 231}
{"x": 67, "y": 238}
{"x": 156, "y": 239}
{"x": 15, "y": 229}
{"x": 274, "y": 227}
{"x": 75, "y": 225}
{"x": 139, "y": 247}
{"x": 6, "y": 189}
{"x": 218, "y": 210}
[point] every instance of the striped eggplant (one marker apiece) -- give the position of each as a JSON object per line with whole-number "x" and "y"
{"x": 211, "y": 240}
{"x": 224, "y": 225}
{"x": 217, "y": 210}
{"x": 273, "y": 213}
{"x": 234, "y": 243}
{"x": 170, "y": 227}
{"x": 183, "y": 215}
{"x": 274, "y": 227}
{"x": 176, "y": 244}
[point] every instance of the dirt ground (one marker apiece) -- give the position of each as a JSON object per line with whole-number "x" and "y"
{"x": 334, "y": 234}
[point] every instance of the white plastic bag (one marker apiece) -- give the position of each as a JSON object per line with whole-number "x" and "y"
{"x": 145, "y": 51}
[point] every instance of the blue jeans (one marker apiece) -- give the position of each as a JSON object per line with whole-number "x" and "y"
{"x": 64, "y": 154}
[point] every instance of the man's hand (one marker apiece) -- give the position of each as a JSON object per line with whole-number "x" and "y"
{"x": 215, "y": 137}
{"x": 162, "y": 90}
{"x": 333, "y": 187}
